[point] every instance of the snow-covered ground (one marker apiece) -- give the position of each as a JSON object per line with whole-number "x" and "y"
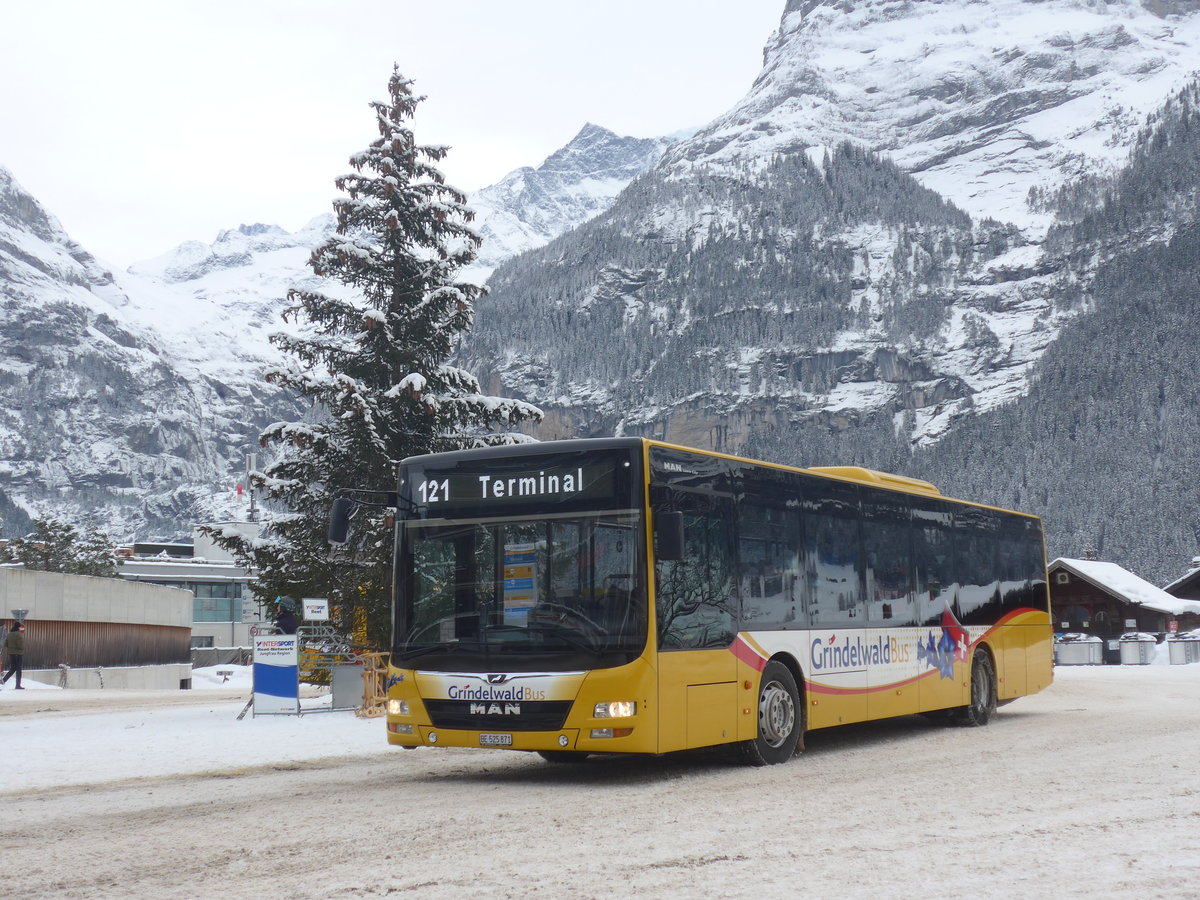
{"x": 1085, "y": 790}
{"x": 51, "y": 737}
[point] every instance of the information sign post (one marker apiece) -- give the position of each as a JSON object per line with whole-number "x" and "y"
{"x": 316, "y": 609}
{"x": 276, "y": 674}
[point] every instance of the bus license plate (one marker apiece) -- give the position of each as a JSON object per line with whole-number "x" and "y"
{"x": 495, "y": 740}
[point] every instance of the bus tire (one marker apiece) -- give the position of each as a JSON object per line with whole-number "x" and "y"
{"x": 983, "y": 692}
{"x": 562, "y": 756}
{"x": 780, "y": 718}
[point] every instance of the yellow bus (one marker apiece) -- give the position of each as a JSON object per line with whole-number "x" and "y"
{"x": 627, "y": 595}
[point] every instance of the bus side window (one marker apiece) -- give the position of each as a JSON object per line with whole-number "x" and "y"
{"x": 933, "y": 560}
{"x": 695, "y": 599}
{"x": 833, "y": 558}
{"x": 769, "y": 572}
{"x": 887, "y": 559}
{"x": 1022, "y": 566}
{"x": 976, "y": 532}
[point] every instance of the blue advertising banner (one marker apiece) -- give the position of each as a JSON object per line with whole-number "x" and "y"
{"x": 276, "y": 674}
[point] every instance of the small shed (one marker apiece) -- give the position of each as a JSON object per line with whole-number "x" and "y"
{"x": 1101, "y": 598}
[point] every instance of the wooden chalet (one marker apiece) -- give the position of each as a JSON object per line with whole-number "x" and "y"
{"x": 1102, "y": 599}
{"x": 1187, "y": 587}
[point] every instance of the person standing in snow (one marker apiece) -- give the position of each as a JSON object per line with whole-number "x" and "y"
{"x": 14, "y": 645}
{"x": 285, "y": 620}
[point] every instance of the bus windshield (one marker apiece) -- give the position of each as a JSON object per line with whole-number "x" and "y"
{"x": 523, "y": 594}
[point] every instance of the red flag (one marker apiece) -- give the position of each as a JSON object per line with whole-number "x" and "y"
{"x": 957, "y": 633}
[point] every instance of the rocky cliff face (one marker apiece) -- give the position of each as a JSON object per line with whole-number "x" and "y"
{"x": 98, "y": 417}
{"x": 807, "y": 290}
{"x": 993, "y": 107}
{"x": 984, "y": 103}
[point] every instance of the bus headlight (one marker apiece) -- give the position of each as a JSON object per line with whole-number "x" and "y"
{"x": 397, "y": 707}
{"x": 615, "y": 709}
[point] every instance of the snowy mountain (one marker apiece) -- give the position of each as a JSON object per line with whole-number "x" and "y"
{"x": 852, "y": 263}
{"x": 920, "y": 216}
{"x": 131, "y": 400}
{"x": 531, "y": 206}
{"x": 217, "y": 304}
{"x": 98, "y": 415}
{"x": 983, "y": 102}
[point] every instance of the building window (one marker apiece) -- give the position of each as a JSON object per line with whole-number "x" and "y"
{"x": 201, "y": 641}
{"x": 216, "y": 602}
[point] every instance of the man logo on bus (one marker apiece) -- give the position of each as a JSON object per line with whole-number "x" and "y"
{"x": 495, "y": 709}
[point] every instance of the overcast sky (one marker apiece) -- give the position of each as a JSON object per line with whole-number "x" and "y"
{"x": 144, "y": 124}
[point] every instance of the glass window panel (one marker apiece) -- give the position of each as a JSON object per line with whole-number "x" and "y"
{"x": 696, "y": 600}
{"x": 769, "y": 566}
{"x": 933, "y": 560}
{"x": 976, "y": 536}
{"x": 887, "y": 558}
{"x": 831, "y": 546}
{"x": 533, "y": 587}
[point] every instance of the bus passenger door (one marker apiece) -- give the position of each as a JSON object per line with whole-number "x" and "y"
{"x": 695, "y": 608}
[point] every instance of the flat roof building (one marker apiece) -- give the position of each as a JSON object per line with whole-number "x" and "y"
{"x": 223, "y": 611}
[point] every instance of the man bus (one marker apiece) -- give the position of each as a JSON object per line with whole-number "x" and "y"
{"x": 630, "y": 596}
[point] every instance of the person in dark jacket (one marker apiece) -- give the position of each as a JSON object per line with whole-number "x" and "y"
{"x": 285, "y": 620}
{"x": 14, "y": 645}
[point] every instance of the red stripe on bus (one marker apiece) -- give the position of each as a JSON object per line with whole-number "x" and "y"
{"x": 818, "y": 688}
{"x": 747, "y": 654}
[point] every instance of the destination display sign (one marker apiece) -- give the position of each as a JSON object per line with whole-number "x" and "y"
{"x": 530, "y": 481}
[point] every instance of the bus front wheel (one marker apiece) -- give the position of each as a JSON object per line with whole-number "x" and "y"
{"x": 983, "y": 691}
{"x": 780, "y": 718}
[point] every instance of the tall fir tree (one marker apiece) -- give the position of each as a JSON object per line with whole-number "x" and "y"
{"x": 371, "y": 359}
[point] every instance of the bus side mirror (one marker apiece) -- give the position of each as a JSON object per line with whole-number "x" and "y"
{"x": 668, "y": 535}
{"x": 339, "y": 520}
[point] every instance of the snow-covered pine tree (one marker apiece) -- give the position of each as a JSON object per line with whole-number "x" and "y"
{"x": 56, "y": 546}
{"x": 371, "y": 361}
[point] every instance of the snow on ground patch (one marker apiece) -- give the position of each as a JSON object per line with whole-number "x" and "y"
{"x": 47, "y": 748}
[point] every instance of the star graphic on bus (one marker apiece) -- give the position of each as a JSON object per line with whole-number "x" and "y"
{"x": 942, "y": 653}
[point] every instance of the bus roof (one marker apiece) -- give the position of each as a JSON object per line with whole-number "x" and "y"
{"x": 532, "y": 448}
{"x": 883, "y": 479}
{"x": 858, "y": 474}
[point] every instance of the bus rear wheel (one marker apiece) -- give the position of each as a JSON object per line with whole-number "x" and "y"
{"x": 983, "y": 692}
{"x": 780, "y": 718}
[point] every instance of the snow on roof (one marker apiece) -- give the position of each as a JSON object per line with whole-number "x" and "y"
{"x": 1184, "y": 581}
{"x": 1129, "y": 587}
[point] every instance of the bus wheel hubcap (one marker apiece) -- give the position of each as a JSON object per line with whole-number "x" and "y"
{"x": 776, "y": 714}
{"x": 982, "y": 692}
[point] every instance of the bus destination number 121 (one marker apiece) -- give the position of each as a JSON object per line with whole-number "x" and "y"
{"x": 434, "y": 491}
